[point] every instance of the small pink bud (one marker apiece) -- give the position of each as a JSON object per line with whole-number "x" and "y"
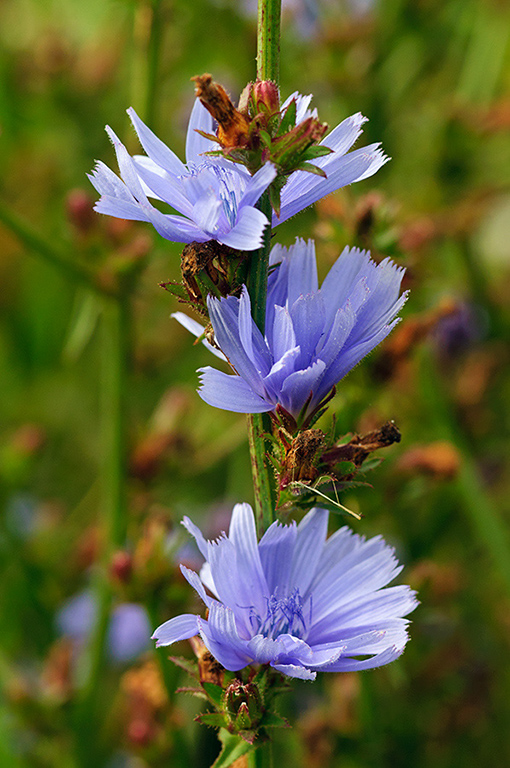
{"x": 266, "y": 96}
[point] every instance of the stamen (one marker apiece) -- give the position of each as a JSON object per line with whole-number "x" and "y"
{"x": 283, "y": 616}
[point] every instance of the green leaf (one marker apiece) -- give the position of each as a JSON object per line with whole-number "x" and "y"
{"x": 289, "y": 118}
{"x": 317, "y": 150}
{"x": 275, "y": 199}
{"x": 274, "y": 720}
{"x": 190, "y": 666}
{"x": 213, "y": 719}
{"x": 310, "y": 168}
{"x": 215, "y": 693}
{"x": 176, "y": 289}
{"x": 233, "y": 747}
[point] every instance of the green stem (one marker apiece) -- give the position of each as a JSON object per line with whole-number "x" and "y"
{"x": 268, "y": 55}
{"x": 147, "y": 38}
{"x": 264, "y": 756}
{"x": 268, "y": 40}
{"x": 115, "y": 356}
{"x": 34, "y": 242}
{"x": 258, "y": 269}
{"x": 262, "y": 488}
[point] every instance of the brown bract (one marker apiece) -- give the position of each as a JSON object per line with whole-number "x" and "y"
{"x": 360, "y": 446}
{"x": 233, "y": 127}
{"x": 209, "y": 669}
{"x": 299, "y": 464}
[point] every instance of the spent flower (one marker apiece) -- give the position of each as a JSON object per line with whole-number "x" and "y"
{"x": 296, "y": 600}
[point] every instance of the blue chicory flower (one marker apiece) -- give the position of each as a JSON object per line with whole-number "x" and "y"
{"x": 215, "y": 196}
{"x": 340, "y": 166}
{"x": 314, "y": 336}
{"x": 295, "y": 600}
{"x": 215, "y": 201}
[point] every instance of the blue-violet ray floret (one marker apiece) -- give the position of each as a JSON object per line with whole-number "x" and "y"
{"x": 313, "y": 338}
{"x": 296, "y": 600}
{"x": 214, "y": 200}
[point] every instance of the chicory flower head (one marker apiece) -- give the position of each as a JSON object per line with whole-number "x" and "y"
{"x": 295, "y": 600}
{"x": 340, "y": 166}
{"x": 215, "y": 196}
{"x": 215, "y": 201}
{"x": 314, "y": 336}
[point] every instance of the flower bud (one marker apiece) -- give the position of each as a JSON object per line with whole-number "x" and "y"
{"x": 243, "y": 705}
{"x": 265, "y": 96}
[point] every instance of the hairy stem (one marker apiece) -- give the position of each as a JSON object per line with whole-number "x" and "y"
{"x": 262, "y": 488}
{"x": 268, "y": 40}
{"x": 268, "y": 55}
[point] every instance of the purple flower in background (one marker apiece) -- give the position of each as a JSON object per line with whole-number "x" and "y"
{"x": 128, "y": 630}
{"x": 340, "y": 166}
{"x": 295, "y": 600}
{"x": 215, "y": 200}
{"x": 314, "y": 336}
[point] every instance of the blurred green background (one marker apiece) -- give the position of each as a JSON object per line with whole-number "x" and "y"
{"x": 104, "y": 444}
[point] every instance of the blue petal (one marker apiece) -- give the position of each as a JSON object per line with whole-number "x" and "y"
{"x": 192, "y": 578}
{"x": 353, "y": 665}
{"x": 280, "y": 371}
{"x": 108, "y": 183}
{"x": 345, "y": 272}
{"x": 224, "y": 315}
{"x": 276, "y": 549}
{"x": 300, "y": 192}
{"x": 341, "y": 138}
{"x": 220, "y": 635}
{"x": 180, "y": 628}
{"x": 163, "y": 187}
{"x": 311, "y": 535}
{"x": 302, "y": 270}
{"x": 121, "y": 209}
{"x": 292, "y": 670}
{"x": 281, "y": 336}
{"x": 197, "y": 534}
{"x": 257, "y": 184}
{"x": 308, "y": 318}
{"x": 246, "y": 234}
{"x": 385, "y": 605}
{"x": 197, "y": 145}
{"x": 230, "y": 393}
{"x": 331, "y": 343}
{"x": 197, "y": 330}
{"x": 348, "y": 358}
{"x": 155, "y": 148}
{"x": 206, "y": 212}
{"x": 243, "y": 535}
{"x": 298, "y": 387}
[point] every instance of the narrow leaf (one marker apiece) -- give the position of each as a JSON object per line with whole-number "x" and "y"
{"x": 310, "y": 168}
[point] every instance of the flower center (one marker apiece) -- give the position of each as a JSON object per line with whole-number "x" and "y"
{"x": 284, "y": 615}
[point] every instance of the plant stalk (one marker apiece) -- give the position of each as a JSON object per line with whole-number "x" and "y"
{"x": 115, "y": 357}
{"x": 268, "y": 40}
{"x": 37, "y": 244}
{"x": 268, "y": 64}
